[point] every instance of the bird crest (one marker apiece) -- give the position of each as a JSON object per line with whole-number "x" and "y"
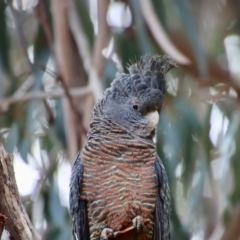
{"x": 145, "y": 73}
{"x": 156, "y": 64}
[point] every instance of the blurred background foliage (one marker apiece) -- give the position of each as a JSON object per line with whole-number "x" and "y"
{"x": 56, "y": 58}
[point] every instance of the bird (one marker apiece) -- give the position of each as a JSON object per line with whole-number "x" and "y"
{"x": 119, "y": 187}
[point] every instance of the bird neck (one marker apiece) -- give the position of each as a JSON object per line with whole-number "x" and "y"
{"x": 105, "y": 129}
{"x": 106, "y": 136}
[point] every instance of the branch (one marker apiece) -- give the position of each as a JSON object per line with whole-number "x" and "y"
{"x": 232, "y": 232}
{"x": 160, "y": 35}
{"x": 74, "y": 92}
{"x": 70, "y": 66}
{"x": 84, "y": 50}
{"x": 102, "y": 36}
{"x": 17, "y": 221}
{"x": 20, "y": 33}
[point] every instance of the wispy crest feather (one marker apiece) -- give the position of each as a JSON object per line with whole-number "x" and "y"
{"x": 155, "y": 64}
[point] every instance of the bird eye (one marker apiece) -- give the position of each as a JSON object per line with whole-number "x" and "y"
{"x": 135, "y": 107}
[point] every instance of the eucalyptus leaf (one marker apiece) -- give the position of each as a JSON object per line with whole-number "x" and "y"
{"x": 190, "y": 25}
{"x": 12, "y": 139}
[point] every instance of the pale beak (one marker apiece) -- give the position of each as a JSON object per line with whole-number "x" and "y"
{"x": 152, "y": 118}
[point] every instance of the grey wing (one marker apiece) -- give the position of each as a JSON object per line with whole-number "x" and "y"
{"x": 163, "y": 204}
{"x": 78, "y": 207}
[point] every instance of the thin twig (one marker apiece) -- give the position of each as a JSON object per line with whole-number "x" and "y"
{"x": 23, "y": 43}
{"x": 102, "y": 35}
{"x": 46, "y": 28}
{"x": 42, "y": 16}
{"x": 160, "y": 35}
{"x": 45, "y": 174}
{"x": 84, "y": 50}
{"x": 17, "y": 221}
{"x": 74, "y": 92}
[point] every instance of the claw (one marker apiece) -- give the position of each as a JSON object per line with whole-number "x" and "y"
{"x": 105, "y": 233}
{"x": 138, "y": 222}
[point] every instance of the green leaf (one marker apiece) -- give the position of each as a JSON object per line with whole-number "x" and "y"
{"x": 56, "y": 210}
{"x": 126, "y": 47}
{"x": 4, "y": 40}
{"x": 188, "y": 128}
{"x": 59, "y": 126}
{"x": 159, "y": 8}
{"x": 235, "y": 161}
{"x": 205, "y": 139}
{"x": 190, "y": 25}
{"x": 142, "y": 35}
{"x": 24, "y": 148}
{"x": 41, "y": 56}
{"x": 12, "y": 139}
{"x": 86, "y": 22}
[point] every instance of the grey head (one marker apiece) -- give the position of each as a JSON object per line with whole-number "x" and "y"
{"x": 134, "y": 100}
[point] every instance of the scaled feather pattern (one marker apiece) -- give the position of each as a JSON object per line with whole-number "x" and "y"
{"x": 118, "y": 182}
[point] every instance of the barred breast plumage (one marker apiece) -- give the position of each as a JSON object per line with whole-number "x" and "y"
{"x": 119, "y": 186}
{"x": 124, "y": 184}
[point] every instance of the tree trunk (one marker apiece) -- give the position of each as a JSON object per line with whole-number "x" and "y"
{"x": 13, "y": 214}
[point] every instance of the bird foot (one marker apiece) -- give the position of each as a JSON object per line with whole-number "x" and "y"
{"x": 138, "y": 222}
{"x": 106, "y": 233}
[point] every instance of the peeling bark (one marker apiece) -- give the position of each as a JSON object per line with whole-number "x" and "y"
{"x": 16, "y": 219}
